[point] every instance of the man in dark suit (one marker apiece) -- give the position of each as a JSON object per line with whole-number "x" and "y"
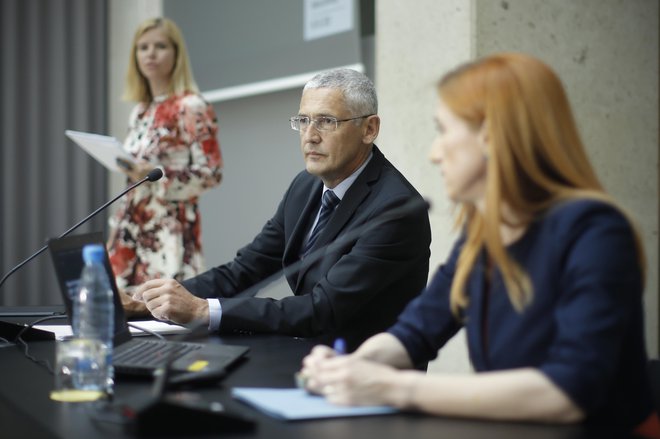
{"x": 353, "y": 288}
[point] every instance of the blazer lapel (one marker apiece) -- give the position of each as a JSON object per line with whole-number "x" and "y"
{"x": 294, "y": 242}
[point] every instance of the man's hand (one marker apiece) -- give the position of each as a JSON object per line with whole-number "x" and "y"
{"x": 132, "y": 307}
{"x": 168, "y": 300}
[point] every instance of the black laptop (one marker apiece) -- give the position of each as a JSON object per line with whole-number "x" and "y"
{"x": 136, "y": 356}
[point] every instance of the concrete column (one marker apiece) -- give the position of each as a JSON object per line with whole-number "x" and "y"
{"x": 415, "y": 43}
{"x": 606, "y": 53}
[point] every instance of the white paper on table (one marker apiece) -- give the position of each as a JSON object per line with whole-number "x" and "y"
{"x": 62, "y": 332}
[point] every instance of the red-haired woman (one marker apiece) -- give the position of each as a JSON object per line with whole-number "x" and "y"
{"x": 547, "y": 276}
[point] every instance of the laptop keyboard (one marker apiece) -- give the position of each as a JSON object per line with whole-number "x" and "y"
{"x": 152, "y": 353}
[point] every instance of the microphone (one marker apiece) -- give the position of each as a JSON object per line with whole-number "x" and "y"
{"x": 5, "y": 331}
{"x": 153, "y": 175}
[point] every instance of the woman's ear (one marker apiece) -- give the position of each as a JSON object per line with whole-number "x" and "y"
{"x": 483, "y": 138}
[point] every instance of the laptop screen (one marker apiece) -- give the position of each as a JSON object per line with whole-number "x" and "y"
{"x": 66, "y": 254}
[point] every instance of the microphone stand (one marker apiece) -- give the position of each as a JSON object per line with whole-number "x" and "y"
{"x": 8, "y": 330}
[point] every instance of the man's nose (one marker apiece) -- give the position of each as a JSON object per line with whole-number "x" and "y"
{"x": 311, "y": 133}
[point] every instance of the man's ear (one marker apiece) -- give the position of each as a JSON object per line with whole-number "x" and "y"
{"x": 371, "y": 129}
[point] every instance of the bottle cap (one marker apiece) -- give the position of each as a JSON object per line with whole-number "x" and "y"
{"x": 93, "y": 253}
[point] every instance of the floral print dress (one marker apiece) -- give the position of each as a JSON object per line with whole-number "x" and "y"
{"x": 156, "y": 232}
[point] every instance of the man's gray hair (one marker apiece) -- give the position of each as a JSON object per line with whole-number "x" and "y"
{"x": 358, "y": 90}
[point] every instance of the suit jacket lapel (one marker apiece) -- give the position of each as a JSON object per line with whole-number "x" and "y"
{"x": 294, "y": 242}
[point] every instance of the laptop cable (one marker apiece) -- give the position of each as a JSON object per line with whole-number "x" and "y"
{"x": 148, "y": 331}
{"x": 19, "y": 339}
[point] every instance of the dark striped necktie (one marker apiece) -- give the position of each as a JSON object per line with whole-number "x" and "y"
{"x": 328, "y": 204}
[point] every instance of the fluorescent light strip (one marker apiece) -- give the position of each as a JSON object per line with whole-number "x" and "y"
{"x": 269, "y": 86}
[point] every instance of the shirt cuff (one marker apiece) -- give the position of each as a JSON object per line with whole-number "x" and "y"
{"x": 215, "y": 314}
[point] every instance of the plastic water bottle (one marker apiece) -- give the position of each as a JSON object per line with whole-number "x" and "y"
{"x": 93, "y": 323}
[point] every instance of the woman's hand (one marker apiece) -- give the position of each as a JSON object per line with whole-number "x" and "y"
{"x": 350, "y": 380}
{"x": 136, "y": 170}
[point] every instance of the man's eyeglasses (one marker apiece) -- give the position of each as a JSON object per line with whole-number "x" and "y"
{"x": 322, "y": 123}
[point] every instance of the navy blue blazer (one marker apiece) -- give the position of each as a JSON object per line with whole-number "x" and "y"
{"x": 584, "y": 327}
{"x": 354, "y": 290}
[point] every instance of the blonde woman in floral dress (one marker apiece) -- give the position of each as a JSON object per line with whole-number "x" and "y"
{"x": 156, "y": 232}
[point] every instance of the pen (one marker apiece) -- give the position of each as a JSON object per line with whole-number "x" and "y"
{"x": 339, "y": 346}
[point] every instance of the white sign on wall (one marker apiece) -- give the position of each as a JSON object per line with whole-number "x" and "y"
{"x": 326, "y": 17}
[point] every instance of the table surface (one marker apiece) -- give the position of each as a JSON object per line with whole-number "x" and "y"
{"x": 27, "y": 411}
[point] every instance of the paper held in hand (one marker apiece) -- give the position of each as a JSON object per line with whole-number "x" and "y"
{"x": 105, "y": 149}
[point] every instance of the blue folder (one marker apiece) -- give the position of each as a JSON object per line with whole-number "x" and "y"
{"x": 297, "y": 404}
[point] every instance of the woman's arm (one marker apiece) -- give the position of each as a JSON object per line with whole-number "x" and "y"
{"x": 513, "y": 395}
{"x": 384, "y": 348}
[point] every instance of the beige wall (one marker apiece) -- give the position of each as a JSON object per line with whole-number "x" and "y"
{"x": 605, "y": 51}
